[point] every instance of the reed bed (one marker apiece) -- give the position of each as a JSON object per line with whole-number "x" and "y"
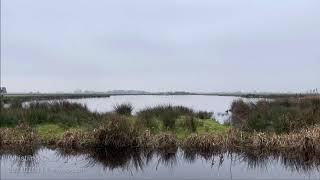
{"x": 169, "y": 116}
{"x": 74, "y": 139}
{"x": 303, "y": 141}
{"x": 64, "y": 113}
{"x": 21, "y": 135}
{"x": 306, "y": 140}
{"x": 278, "y": 115}
{"x": 119, "y": 132}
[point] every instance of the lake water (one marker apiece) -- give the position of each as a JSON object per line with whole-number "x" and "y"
{"x": 217, "y": 104}
{"x": 46, "y": 163}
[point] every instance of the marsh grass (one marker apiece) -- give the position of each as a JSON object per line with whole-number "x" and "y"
{"x": 119, "y": 132}
{"x": 23, "y": 135}
{"x": 303, "y": 141}
{"x": 166, "y": 142}
{"x": 190, "y": 123}
{"x": 204, "y": 115}
{"x": 169, "y": 115}
{"x": 75, "y": 139}
{"x": 63, "y": 113}
{"x": 279, "y": 115}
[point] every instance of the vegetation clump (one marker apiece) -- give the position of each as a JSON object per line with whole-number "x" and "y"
{"x": 22, "y": 135}
{"x": 169, "y": 116}
{"x": 75, "y": 139}
{"x": 204, "y": 143}
{"x": 166, "y": 142}
{"x": 204, "y": 115}
{"x": 123, "y": 109}
{"x": 279, "y": 115}
{"x": 119, "y": 132}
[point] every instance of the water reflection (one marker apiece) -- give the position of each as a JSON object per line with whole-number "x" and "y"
{"x": 136, "y": 161}
{"x": 24, "y": 158}
{"x": 124, "y": 159}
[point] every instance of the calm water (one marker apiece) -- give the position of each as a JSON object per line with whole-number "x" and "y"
{"x": 216, "y": 104}
{"x": 105, "y": 164}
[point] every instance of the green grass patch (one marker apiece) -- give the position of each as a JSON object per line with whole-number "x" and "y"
{"x": 49, "y": 131}
{"x": 213, "y": 127}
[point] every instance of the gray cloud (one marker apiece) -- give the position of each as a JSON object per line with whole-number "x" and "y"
{"x": 161, "y": 45}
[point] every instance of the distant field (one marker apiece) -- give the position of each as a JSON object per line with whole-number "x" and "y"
{"x": 16, "y": 98}
{"x": 88, "y": 95}
{"x": 55, "y": 95}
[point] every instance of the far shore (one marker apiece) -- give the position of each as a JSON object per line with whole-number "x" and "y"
{"x": 98, "y": 94}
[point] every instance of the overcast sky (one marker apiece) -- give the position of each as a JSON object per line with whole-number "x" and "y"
{"x": 163, "y": 45}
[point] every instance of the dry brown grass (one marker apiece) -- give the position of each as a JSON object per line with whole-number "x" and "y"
{"x": 303, "y": 141}
{"x": 21, "y": 135}
{"x": 204, "y": 143}
{"x": 75, "y": 139}
{"x": 306, "y": 140}
{"x": 166, "y": 142}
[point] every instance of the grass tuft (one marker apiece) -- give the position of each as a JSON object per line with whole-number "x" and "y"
{"x": 123, "y": 109}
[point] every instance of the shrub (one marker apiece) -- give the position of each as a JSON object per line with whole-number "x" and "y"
{"x": 204, "y": 115}
{"x": 123, "y": 109}
{"x": 240, "y": 112}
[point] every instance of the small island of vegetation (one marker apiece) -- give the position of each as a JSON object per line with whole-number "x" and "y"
{"x": 273, "y": 125}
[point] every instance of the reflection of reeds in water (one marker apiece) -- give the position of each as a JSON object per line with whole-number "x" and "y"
{"x": 25, "y": 159}
{"x": 302, "y": 164}
{"x": 168, "y": 159}
{"x": 253, "y": 160}
{"x": 111, "y": 159}
{"x": 213, "y": 158}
